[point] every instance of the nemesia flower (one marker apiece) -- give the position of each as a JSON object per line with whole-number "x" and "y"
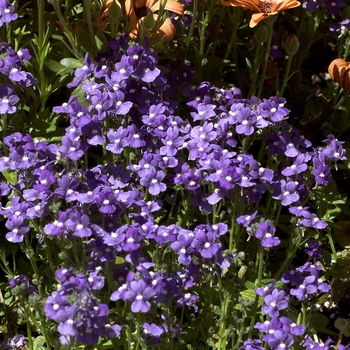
{"x": 262, "y": 8}
{"x": 136, "y": 10}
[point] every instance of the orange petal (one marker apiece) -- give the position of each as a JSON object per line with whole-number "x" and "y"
{"x": 285, "y": 5}
{"x": 174, "y": 6}
{"x": 252, "y": 5}
{"x": 129, "y": 7}
{"x": 256, "y": 18}
{"x": 171, "y": 5}
{"x": 167, "y": 29}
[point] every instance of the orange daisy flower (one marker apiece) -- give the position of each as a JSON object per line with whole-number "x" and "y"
{"x": 262, "y": 8}
{"x": 138, "y": 9}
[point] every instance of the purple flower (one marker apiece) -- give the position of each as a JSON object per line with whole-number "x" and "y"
{"x": 307, "y": 287}
{"x": 172, "y": 142}
{"x": 286, "y": 192}
{"x": 77, "y": 311}
{"x": 58, "y": 308}
{"x": 278, "y": 339}
{"x": 312, "y": 5}
{"x": 334, "y": 6}
{"x": 182, "y": 246}
{"x": 311, "y": 220}
{"x": 313, "y": 249}
{"x": 298, "y": 166}
{"x": 340, "y": 27}
{"x": 24, "y": 288}
{"x": 72, "y": 148}
{"x": 86, "y": 69}
{"x": 7, "y": 99}
{"x": 203, "y": 135}
{"x": 245, "y": 120}
{"x": 310, "y": 344}
{"x": 17, "y": 227}
{"x": 15, "y": 343}
{"x": 151, "y": 333}
{"x": 204, "y": 112}
{"x": 152, "y": 179}
{"x": 118, "y": 140}
{"x": 246, "y": 220}
{"x": 7, "y": 14}
{"x": 276, "y": 301}
{"x": 275, "y": 107}
{"x": 139, "y": 293}
{"x": 265, "y": 233}
{"x": 205, "y": 242}
{"x": 252, "y": 344}
{"x": 334, "y": 150}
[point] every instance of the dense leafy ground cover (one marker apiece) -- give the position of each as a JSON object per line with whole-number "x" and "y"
{"x": 174, "y": 174}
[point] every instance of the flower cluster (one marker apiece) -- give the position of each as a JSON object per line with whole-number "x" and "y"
{"x": 82, "y": 318}
{"x": 11, "y": 66}
{"x": 153, "y": 168}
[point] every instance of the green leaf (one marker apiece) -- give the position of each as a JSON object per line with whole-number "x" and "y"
{"x": 249, "y": 64}
{"x": 114, "y": 11}
{"x": 248, "y": 294}
{"x": 320, "y": 321}
{"x": 11, "y": 176}
{"x": 54, "y": 66}
{"x": 71, "y": 63}
{"x": 39, "y": 342}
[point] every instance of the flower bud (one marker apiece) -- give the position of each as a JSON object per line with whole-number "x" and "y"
{"x": 292, "y": 44}
{"x": 261, "y": 34}
{"x": 339, "y": 70}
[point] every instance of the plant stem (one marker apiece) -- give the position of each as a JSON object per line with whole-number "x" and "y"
{"x": 87, "y": 11}
{"x": 66, "y": 29}
{"x": 260, "y": 261}
{"x": 267, "y": 55}
{"x": 286, "y": 75}
{"x": 41, "y": 23}
{"x": 193, "y": 24}
{"x": 255, "y": 70}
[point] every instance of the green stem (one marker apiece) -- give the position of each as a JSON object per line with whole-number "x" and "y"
{"x": 292, "y": 248}
{"x": 331, "y": 243}
{"x": 202, "y": 40}
{"x": 277, "y": 216}
{"x": 286, "y": 75}
{"x": 87, "y": 11}
{"x": 233, "y": 40}
{"x": 342, "y": 100}
{"x": 193, "y": 25}
{"x": 267, "y": 55}
{"x": 260, "y": 261}
{"x": 4, "y": 130}
{"x": 41, "y": 23}
{"x": 66, "y": 29}
{"x": 29, "y": 330}
{"x": 225, "y": 302}
{"x": 255, "y": 70}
